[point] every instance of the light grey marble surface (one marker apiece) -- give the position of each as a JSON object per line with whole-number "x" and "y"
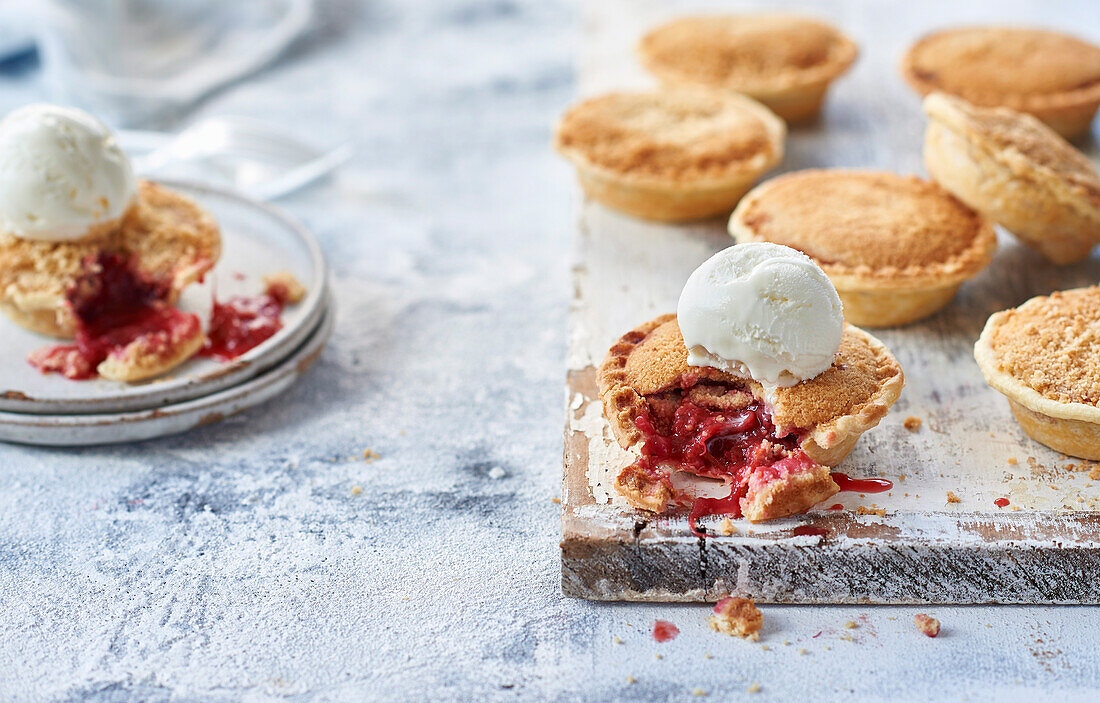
{"x": 238, "y": 563}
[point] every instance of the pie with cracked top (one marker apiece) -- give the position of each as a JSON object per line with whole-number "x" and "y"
{"x": 897, "y": 248}
{"x": 670, "y": 156}
{"x": 785, "y": 61}
{"x": 114, "y": 290}
{"x": 1017, "y": 172}
{"x": 1044, "y": 356}
{"x": 773, "y": 448}
{"x": 1053, "y": 76}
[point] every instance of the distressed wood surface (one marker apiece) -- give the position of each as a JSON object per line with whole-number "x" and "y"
{"x": 1043, "y": 548}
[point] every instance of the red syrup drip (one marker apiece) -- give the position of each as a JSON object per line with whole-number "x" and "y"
{"x": 861, "y": 485}
{"x": 1001, "y": 502}
{"x": 242, "y": 323}
{"x": 663, "y": 630}
{"x": 835, "y": 506}
{"x": 114, "y": 305}
{"x": 809, "y": 530}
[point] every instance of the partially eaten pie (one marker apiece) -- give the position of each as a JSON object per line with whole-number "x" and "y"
{"x": 785, "y": 61}
{"x": 897, "y": 248}
{"x": 1044, "y": 356}
{"x": 1017, "y": 172}
{"x": 670, "y": 156}
{"x": 113, "y": 292}
{"x": 772, "y": 447}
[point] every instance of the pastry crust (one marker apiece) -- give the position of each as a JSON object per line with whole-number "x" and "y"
{"x": 1044, "y": 356}
{"x": 1053, "y": 76}
{"x": 167, "y": 236}
{"x": 785, "y": 61}
{"x": 896, "y": 247}
{"x": 833, "y": 409}
{"x": 1016, "y": 171}
{"x": 670, "y": 156}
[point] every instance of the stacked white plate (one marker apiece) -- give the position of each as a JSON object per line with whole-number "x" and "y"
{"x": 257, "y": 239}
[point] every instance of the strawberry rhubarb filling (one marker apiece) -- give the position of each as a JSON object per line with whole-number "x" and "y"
{"x": 717, "y": 431}
{"x": 117, "y": 309}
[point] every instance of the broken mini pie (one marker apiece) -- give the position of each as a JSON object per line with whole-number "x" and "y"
{"x": 787, "y": 62}
{"x": 771, "y": 442}
{"x": 670, "y": 156}
{"x": 1017, "y": 172}
{"x": 1044, "y": 356}
{"x": 897, "y": 248}
{"x": 1053, "y": 76}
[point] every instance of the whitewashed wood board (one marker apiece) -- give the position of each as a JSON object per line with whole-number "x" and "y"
{"x": 1043, "y": 548}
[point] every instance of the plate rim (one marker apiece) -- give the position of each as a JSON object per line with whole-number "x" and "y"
{"x": 288, "y": 370}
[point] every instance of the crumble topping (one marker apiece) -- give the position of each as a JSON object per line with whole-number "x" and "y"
{"x": 677, "y": 135}
{"x": 952, "y": 498}
{"x": 737, "y": 617}
{"x": 743, "y": 51}
{"x": 869, "y": 223}
{"x": 1002, "y": 65}
{"x": 1052, "y": 345}
{"x": 912, "y": 423}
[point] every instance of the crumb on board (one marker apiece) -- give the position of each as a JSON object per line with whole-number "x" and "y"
{"x": 737, "y": 617}
{"x": 927, "y": 624}
{"x": 1094, "y": 473}
{"x": 1013, "y": 461}
{"x": 864, "y": 510}
{"x": 901, "y": 477}
{"x": 370, "y": 455}
{"x": 556, "y": 500}
{"x": 708, "y": 655}
{"x": 851, "y": 625}
{"x": 952, "y": 498}
{"x": 912, "y": 423}
{"x": 616, "y": 640}
{"x": 698, "y": 692}
{"x": 726, "y": 527}
{"x": 803, "y": 651}
{"x": 753, "y": 688}
{"x": 356, "y": 490}
{"x": 630, "y": 679}
{"x": 291, "y": 288}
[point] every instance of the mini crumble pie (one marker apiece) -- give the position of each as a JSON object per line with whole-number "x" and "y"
{"x": 1017, "y": 172}
{"x": 1044, "y": 356}
{"x": 897, "y": 248}
{"x": 772, "y": 447}
{"x": 670, "y": 156}
{"x": 787, "y": 62}
{"x": 1053, "y": 76}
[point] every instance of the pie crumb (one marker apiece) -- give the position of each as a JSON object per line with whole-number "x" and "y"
{"x": 698, "y": 692}
{"x": 616, "y": 640}
{"x": 556, "y": 500}
{"x": 630, "y": 679}
{"x": 803, "y": 651}
{"x": 753, "y": 688}
{"x": 863, "y": 510}
{"x": 1013, "y": 461}
{"x": 292, "y": 289}
{"x": 912, "y": 423}
{"x": 1094, "y": 474}
{"x": 369, "y": 455}
{"x": 851, "y": 625}
{"x": 356, "y": 490}
{"x": 737, "y": 617}
{"x": 926, "y": 624}
{"x": 708, "y": 655}
{"x": 726, "y": 527}
{"x": 952, "y": 498}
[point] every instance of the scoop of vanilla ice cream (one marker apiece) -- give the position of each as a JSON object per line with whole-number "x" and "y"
{"x": 761, "y": 311}
{"x": 61, "y": 173}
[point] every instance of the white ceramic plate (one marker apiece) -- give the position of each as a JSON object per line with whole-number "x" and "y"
{"x": 115, "y": 428}
{"x": 257, "y": 239}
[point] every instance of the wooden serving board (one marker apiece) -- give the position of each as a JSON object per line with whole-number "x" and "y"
{"x": 910, "y": 545}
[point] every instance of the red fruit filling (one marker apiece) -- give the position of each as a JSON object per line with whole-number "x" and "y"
{"x": 663, "y": 630}
{"x": 114, "y": 305}
{"x": 244, "y": 322}
{"x": 717, "y": 431}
